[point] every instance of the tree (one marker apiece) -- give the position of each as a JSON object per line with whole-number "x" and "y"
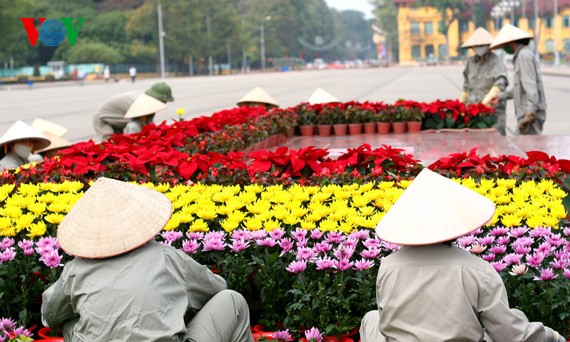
{"x": 86, "y": 51}
{"x": 450, "y": 11}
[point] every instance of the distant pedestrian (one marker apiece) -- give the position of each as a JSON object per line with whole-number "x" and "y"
{"x": 106, "y": 73}
{"x": 133, "y": 73}
{"x": 485, "y": 76}
{"x": 81, "y": 77}
{"x": 528, "y": 89}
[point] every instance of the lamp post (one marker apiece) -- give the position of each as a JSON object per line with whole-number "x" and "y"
{"x": 262, "y": 40}
{"x": 556, "y": 33}
{"x": 161, "y": 35}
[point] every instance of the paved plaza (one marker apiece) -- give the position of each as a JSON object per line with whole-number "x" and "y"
{"x": 72, "y": 105}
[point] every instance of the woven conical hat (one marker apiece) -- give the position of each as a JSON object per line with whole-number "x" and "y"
{"x": 320, "y": 96}
{"x": 507, "y": 34}
{"x": 22, "y": 131}
{"x": 434, "y": 209}
{"x": 42, "y": 125}
{"x": 112, "y": 218}
{"x": 480, "y": 37}
{"x": 257, "y": 95}
{"x": 144, "y": 105}
{"x": 55, "y": 142}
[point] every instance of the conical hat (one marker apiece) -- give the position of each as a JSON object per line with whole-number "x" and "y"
{"x": 144, "y": 105}
{"x": 257, "y": 95}
{"x": 507, "y": 34}
{"x": 22, "y": 131}
{"x": 321, "y": 96}
{"x": 56, "y": 142}
{"x": 480, "y": 37}
{"x": 434, "y": 209}
{"x": 112, "y": 218}
{"x": 43, "y": 126}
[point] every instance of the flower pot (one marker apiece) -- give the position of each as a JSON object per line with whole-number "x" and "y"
{"x": 355, "y": 128}
{"x": 324, "y": 130}
{"x": 414, "y": 126}
{"x": 399, "y": 127}
{"x": 383, "y": 127}
{"x": 306, "y": 131}
{"x": 369, "y": 127}
{"x": 340, "y": 129}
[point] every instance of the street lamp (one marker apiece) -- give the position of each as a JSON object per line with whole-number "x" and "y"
{"x": 556, "y": 33}
{"x": 262, "y": 40}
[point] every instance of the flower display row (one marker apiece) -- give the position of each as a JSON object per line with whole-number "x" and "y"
{"x": 292, "y": 230}
{"x": 448, "y": 114}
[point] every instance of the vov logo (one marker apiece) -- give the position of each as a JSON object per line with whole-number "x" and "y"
{"x": 52, "y": 31}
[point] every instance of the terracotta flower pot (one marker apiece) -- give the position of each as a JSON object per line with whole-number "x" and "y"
{"x": 307, "y": 131}
{"x": 324, "y": 130}
{"x": 414, "y": 126}
{"x": 399, "y": 127}
{"x": 340, "y": 129}
{"x": 369, "y": 127}
{"x": 383, "y": 127}
{"x": 355, "y": 128}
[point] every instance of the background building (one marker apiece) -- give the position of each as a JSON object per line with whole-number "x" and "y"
{"x": 420, "y": 27}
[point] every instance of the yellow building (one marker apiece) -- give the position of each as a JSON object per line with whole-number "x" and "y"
{"x": 419, "y": 37}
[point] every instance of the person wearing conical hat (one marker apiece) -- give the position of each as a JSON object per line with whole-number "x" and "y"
{"x": 321, "y": 96}
{"x": 485, "y": 76}
{"x": 528, "y": 88}
{"x": 54, "y": 133}
{"x": 142, "y": 112}
{"x": 123, "y": 285}
{"x": 258, "y": 97}
{"x": 19, "y": 144}
{"x": 432, "y": 290}
{"x": 110, "y": 116}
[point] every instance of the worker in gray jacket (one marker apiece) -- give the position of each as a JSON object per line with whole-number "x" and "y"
{"x": 528, "y": 89}
{"x": 110, "y": 116}
{"x": 485, "y": 76}
{"x": 124, "y": 286}
{"x": 430, "y": 289}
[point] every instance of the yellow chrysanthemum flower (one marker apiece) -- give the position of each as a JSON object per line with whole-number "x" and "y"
{"x": 54, "y": 218}
{"x": 57, "y": 207}
{"x": 367, "y": 211}
{"x": 229, "y": 224}
{"x": 270, "y": 225}
{"x": 387, "y": 185}
{"x": 360, "y": 201}
{"x": 511, "y": 220}
{"x": 24, "y": 221}
{"x": 258, "y": 207}
{"x": 37, "y": 208}
{"x": 291, "y": 220}
{"x": 207, "y": 213}
{"x": 11, "y": 211}
{"x": 328, "y": 225}
{"x": 18, "y": 200}
{"x": 535, "y": 221}
{"x": 48, "y": 197}
{"x": 248, "y": 197}
{"x": 36, "y": 229}
{"x": 5, "y": 222}
{"x": 506, "y": 183}
{"x": 28, "y": 189}
{"x": 550, "y": 221}
{"x": 253, "y": 224}
{"x": 308, "y": 225}
{"x": 557, "y": 193}
{"x": 173, "y": 223}
{"x": 199, "y": 225}
{"x": 237, "y": 215}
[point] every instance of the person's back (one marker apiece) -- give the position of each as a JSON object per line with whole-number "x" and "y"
{"x": 145, "y": 292}
{"x": 449, "y": 295}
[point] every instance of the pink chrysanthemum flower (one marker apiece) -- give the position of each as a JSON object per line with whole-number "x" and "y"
{"x": 313, "y": 335}
{"x": 297, "y": 266}
{"x": 239, "y": 245}
{"x": 546, "y": 274}
{"x": 190, "y": 246}
{"x": 283, "y": 336}
{"x": 362, "y": 264}
{"x": 324, "y": 263}
{"x": 6, "y": 243}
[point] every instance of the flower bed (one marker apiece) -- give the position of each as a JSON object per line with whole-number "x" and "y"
{"x": 292, "y": 230}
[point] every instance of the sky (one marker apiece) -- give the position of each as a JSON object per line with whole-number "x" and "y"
{"x": 357, "y": 5}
